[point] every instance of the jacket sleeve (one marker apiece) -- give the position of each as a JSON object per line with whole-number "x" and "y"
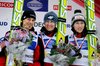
{"x": 4, "y": 40}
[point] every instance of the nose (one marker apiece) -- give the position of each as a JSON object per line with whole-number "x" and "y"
{"x": 49, "y": 22}
{"x": 31, "y": 21}
{"x": 80, "y": 25}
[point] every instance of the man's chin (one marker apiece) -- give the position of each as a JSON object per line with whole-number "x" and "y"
{"x": 79, "y": 31}
{"x": 50, "y": 30}
{"x": 29, "y": 27}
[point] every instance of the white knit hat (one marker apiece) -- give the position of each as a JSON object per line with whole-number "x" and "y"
{"x": 78, "y": 16}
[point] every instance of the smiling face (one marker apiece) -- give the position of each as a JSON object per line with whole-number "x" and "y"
{"x": 49, "y": 25}
{"x": 28, "y": 23}
{"x": 79, "y": 26}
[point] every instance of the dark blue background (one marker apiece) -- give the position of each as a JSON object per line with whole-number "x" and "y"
{"x": 44, "y": 8}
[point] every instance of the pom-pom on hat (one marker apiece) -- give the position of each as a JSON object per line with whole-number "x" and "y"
{"x": 28, "y": 14}
{"x": 51, "y": 16}
{"x": 78, "y": 16}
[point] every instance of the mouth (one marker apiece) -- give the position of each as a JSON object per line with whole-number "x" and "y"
{"x": 80, "y": 29}
{"x": 49, "y": 26}
{"x": 28, "y": 26}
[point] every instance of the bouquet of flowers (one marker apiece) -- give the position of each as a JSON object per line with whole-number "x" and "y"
{"x": 61, "y": 54}
{"x": 17, "y": 46}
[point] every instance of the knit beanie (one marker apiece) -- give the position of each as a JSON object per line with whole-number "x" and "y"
{"x": 78, "y": 16}
{"x": 28, "y": 14}
{"x": 51, "y": 16}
